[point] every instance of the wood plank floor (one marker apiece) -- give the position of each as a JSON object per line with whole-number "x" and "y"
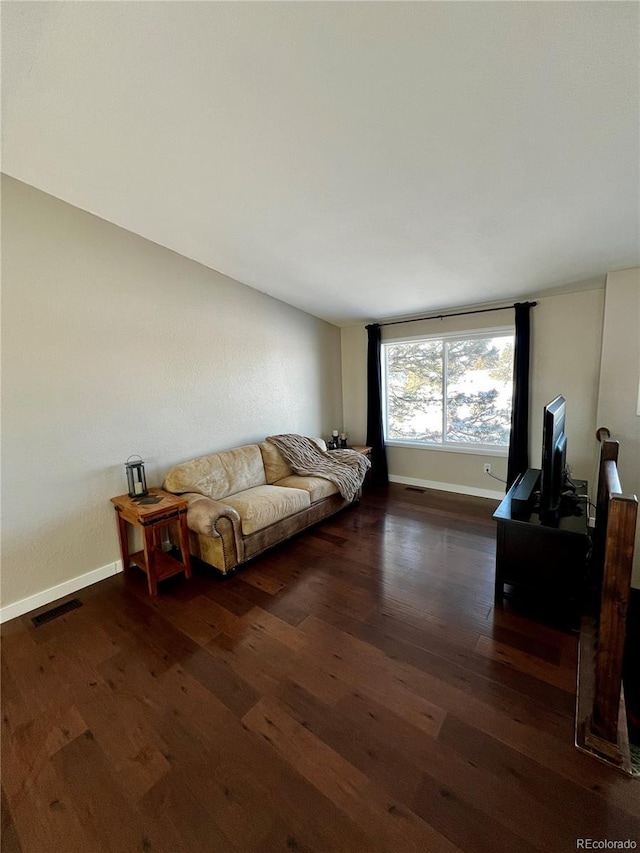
{"x": 353, "y": 690}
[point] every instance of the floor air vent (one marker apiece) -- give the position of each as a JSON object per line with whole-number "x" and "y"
{"x": 60, "y": 610}
{"x": 414, "y": 489}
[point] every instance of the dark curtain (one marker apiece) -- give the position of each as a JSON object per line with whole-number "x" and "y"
{"x": 375, "y": 432}
{"x": 519, "y": 443}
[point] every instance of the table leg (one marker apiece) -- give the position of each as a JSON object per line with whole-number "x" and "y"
{"x": 183, "y": 534}
{"x": 500, "y": 562}
{"x": 123, "y": 539}
{"x": 150, "y": 560}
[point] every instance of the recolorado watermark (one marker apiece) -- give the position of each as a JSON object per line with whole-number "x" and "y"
{"x": 605, "y": 844}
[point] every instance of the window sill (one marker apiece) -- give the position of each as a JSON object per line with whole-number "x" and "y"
{"x": 473, "y": 449}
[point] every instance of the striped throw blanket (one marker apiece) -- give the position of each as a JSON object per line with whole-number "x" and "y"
{"x": 345, "y": 468}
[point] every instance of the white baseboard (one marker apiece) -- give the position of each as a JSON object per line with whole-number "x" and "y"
{"x": 53, "y": 593}
{"x": 447, "y": 487}
{"x": 33, "y": 602}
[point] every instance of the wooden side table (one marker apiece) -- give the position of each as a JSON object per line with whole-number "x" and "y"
{"x": 366, "y": 451}
{"x": 362, "y": 448}
{"x": 151, "y": 517}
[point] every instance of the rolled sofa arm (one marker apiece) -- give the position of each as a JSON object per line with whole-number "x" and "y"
{"x": 204, "y": 512}
{"x": 215, "y": 519}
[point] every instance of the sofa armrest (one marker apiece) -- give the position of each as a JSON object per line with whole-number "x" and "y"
{"x": 204, "y": 512}
{"x": 215, "y": 519}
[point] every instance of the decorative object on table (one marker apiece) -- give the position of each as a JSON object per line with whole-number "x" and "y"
{"x": 136, "y": 479}
{"x": 168, "y": 509}
{"x": 147, "y": 500}
{"x": 343, "y": 440}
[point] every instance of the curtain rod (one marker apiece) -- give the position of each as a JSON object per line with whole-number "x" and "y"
{"x": 455, "y": 314}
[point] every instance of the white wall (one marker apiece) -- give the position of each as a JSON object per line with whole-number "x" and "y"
{"x": 619, "y": 391}
{"x": 566, "y": 333}
{"x": 565, "y": 359}
{"x": 113, "y": 345}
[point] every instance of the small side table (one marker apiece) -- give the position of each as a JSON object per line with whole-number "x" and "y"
{"x": 366, "y": 451}
{"x": 150, "y": 518}
{"x": 362, "y": 448}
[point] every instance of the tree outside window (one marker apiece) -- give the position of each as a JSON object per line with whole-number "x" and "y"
{"x": 450, "y": 391}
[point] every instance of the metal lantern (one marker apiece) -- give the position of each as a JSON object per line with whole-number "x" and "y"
{"x": 136, "y": 479}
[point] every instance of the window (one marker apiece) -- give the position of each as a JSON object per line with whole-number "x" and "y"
{"x": 452, "y": 392}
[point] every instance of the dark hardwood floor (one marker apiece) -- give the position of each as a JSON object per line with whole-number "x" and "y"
{"x": 353, "y": 690}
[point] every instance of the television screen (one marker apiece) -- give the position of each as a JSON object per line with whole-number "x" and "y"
{"x": 554, "y": 456}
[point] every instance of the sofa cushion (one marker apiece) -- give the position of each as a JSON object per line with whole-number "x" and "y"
{"x": 318, "y": 487}
{"x": 264, "y": 505}
{"x": 276, "y": 466}
{"x": 220, "y": 474}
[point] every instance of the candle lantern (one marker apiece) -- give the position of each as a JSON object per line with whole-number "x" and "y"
{"x": 136, "y": 479}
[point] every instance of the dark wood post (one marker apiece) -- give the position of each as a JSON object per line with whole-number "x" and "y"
{"x": 601, "y": 727}
{"x": 616, "y": 586}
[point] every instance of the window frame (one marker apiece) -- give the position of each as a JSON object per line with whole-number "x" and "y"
{"x": 446, "y": 446}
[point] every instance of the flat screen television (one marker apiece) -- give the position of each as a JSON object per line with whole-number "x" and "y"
{"x": 554, "y": 457}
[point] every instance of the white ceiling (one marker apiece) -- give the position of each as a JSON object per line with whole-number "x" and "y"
{"x": 353, "y": 159}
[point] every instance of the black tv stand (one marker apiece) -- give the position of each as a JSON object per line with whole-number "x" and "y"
{"x": 542, "y": 560}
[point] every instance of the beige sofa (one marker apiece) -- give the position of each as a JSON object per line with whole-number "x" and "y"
{"x": 245, "y": 500}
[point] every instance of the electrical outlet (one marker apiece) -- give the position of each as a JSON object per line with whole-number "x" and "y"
{"x": 487, "y": 468}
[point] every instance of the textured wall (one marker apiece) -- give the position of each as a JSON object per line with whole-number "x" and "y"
{"x": 566, "y": 335}
{"x": 113, "y": 345}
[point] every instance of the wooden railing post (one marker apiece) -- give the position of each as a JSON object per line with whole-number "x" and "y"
{"x": 616, "y": 585}
{"x": 608, "y": 453}
{"x": 601, "y": 727}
